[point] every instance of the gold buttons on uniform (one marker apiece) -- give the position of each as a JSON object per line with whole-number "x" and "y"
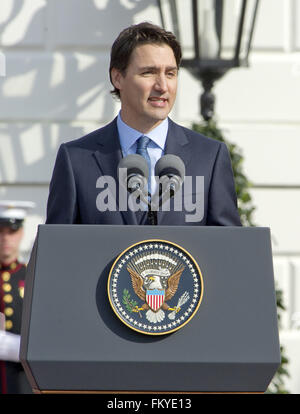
{"x": 5, "y": 276}
{"x": 7, "y": 298}
{"x": 6, "y": 287}
{"x": 8, "y": 311}
{"x": 8, "y": 325}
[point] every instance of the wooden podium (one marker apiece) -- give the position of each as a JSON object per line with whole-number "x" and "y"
{"x": 72, "y": 341}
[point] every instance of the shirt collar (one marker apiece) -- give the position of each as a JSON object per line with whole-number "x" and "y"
{"x": 128, "y": 136}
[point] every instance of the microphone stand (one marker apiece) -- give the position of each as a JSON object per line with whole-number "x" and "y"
{"x": 152, "y": 214}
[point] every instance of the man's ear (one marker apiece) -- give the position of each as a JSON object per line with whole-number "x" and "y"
{"x": 116, "y": 78}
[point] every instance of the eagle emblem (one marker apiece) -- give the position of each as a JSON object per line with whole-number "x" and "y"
{"x": 156, "y": 284}
{"x": 155, "y": 287}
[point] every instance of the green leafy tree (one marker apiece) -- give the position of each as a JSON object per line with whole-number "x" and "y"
{"x": 246, "y": 208}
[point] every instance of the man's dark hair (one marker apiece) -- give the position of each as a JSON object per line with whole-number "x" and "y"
{"x": 137, "y": 35}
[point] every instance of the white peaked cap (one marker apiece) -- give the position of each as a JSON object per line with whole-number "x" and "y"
{"x": 14, "y": 210}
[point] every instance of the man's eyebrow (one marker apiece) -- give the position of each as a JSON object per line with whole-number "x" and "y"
{"x": 157, "y": 67}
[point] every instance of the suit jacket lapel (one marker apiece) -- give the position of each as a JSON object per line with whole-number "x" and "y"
{"x": 109, "y": 153}
{"x": 108, "y": 157}
{"x": 177, "y": 142}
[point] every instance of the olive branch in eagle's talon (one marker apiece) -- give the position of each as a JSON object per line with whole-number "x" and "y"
{"x": 131, "y": 305}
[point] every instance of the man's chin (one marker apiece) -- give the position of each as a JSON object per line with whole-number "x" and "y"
{"x": 6, "y": 257}
{"x": 159, "y": 115}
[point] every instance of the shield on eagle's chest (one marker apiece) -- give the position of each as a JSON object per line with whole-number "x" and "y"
{"x": 155, "y": 298}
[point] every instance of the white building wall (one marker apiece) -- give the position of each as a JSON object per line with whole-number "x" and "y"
{"x": 55, "y": 57}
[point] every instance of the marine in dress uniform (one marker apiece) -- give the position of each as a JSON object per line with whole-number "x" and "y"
{"x": 12, "y": 283}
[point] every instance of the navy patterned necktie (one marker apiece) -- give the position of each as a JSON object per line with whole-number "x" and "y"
{"x": 142, "y": 144}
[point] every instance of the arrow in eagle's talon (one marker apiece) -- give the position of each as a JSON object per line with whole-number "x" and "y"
{"x": 176, "y": 309}
{"x": 137, "y": 310}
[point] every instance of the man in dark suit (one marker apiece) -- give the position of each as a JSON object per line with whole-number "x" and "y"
{"x": 144, "y": 66}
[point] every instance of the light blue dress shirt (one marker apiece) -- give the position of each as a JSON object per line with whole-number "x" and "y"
{"x": 128, "y": 141}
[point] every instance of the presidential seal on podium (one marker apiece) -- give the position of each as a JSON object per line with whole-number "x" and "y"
{"x": 155, "y": 287}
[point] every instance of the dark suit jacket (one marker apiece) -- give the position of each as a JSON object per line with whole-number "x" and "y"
{"x": 79, "y": 163}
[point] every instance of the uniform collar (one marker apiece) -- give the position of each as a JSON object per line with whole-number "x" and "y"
{"x": 9, "y": 267}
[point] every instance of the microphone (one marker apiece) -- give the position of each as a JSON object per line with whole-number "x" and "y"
{"x": 170, "y": 170}
{"x": 137, "y": 175}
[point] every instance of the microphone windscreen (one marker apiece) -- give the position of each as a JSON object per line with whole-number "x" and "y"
{"x": 135, "y": 164}
{"x": 170, "y": 164}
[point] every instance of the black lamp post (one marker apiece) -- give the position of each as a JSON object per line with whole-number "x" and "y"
{"x": 217, "y": 34}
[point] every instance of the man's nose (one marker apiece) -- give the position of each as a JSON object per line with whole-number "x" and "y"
{"x": 161, "y": 83}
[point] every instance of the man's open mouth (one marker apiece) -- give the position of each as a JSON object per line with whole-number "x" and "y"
{"x": 157, "y": 100}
